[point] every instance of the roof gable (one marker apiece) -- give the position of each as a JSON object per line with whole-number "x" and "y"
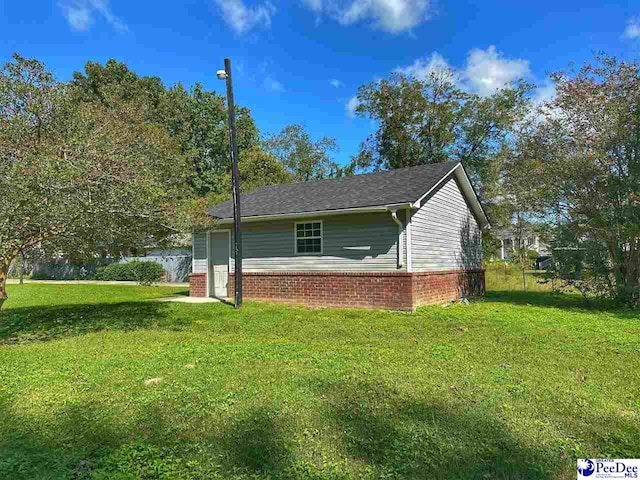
{"x": 402, "y": 186}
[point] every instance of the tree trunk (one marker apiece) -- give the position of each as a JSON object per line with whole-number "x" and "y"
{"x": 21, "y": 271}
{"x": 628, "y": 285}
{"x": 627, "y": 274}
{"x": 4, "y": 271}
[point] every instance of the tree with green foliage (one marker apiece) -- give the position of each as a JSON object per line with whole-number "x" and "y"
{"x": 490, "y": 245}
{"x": 79, "y": 178}
{"x": 114, "y": 82}
{"x": 304, "y": 158}
{"x": 257, "y": 169}
{"x": 432, "y": 120}
{"x": 589, "y": 146}
{"x": 196, "y": 119}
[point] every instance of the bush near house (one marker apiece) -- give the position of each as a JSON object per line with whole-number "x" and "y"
{"x": 144, "y": 273}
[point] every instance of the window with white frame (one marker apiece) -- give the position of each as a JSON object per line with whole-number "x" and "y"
{"x": 309, "y": 238}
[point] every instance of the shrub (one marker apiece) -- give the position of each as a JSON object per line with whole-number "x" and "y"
{"x": 41, "y": 275}
{"x": 586, "y": 268}
{"x": 144, "y": 273}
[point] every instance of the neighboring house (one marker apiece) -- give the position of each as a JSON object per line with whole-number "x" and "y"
{"x": 395, "y": 239}
{"x": 510, "y": 240}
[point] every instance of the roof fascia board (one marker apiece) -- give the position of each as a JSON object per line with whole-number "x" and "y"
{"x": 472, "y": 197}
{"x": 319, "y": 213}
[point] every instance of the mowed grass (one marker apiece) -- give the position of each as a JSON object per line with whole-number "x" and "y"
{"x": 102, "y": 382}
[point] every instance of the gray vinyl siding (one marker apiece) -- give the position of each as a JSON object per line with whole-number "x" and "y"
{"x": 444, "y": 232}
{"x": 270, "y": 246}
{"x": 199, "y": 253}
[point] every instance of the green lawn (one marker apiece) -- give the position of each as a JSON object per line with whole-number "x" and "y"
{"x": 101, "y": 382}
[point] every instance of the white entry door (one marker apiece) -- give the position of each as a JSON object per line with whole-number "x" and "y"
{"x": 219, "y": 264}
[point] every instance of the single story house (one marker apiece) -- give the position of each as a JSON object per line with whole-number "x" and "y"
{"x": 394, "y": 239}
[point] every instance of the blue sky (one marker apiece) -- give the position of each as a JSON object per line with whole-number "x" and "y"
{"x": 302, "y": 61}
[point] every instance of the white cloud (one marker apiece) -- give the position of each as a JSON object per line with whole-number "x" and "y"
{"x": 542, "y": 100}
{"x": 484, "y": 71}
{"x": 633, "y": 28}
{"x": 488, "y": 71}
{"x": 81, "y": 14}
{"x": 242, "y": 19}
{"x": 351, "y": 106}
{"x": 393, "y": 16}
{"x": 335, "y": 83}
{"x": 78, "y": 17}
{"x": 273, "y": 85}
{"x": 422, "y": 68}
{"x": 313, "y": 5}
{"x": 545, "y": 92}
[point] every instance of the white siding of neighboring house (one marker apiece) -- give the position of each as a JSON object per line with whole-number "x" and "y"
{"x": 199, "y": 253}
{"x": 444, "y": 232}
{"x": 373, "y": 237}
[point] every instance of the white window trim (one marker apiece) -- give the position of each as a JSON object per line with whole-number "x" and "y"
{"x": 295, "y": 237}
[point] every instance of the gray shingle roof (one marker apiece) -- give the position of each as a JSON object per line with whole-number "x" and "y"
{"x": 404, "y": 185}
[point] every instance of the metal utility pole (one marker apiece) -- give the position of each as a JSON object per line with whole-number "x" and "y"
{"x": 235, "y": 174}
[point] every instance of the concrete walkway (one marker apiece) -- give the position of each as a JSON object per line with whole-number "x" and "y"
{"x": 15, "y": 281}
{"x": 192, "y": 300}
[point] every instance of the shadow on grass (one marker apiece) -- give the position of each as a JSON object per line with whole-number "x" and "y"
{"x": 573, "y": 302}
{"x": 28, "y": 324}
{"x": 366, "y": 430}
{"x": 255, "y": 443}
{"x": 408, "y": 438}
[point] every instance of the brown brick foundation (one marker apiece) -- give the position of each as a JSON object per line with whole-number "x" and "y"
{"x": 198, "y": 285}
{"x": 396, "y": 291}
{"x": 439, "y": 287}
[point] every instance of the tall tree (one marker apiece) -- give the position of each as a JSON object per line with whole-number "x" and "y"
{"x": 589, "y": 143}
{"x": 422, "y": 121}
{"x": 197, "y": 119}
{"x": 304, "y": 158}
{"x": 79, "y": 178}
{"x": 257, "y": 169}
{"x": 260, "y": 169}
{"x": 115, "y": 82}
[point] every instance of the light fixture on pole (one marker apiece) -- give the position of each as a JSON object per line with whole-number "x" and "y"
{"x": 235, "y": 175}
